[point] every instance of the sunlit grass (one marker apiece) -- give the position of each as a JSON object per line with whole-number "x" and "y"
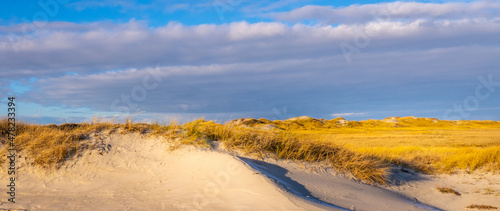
{"x": 50, "y": 145}
{"x": 481, "y": 207}
{"x": 287, "y": 145}
{"x": 365, "y": 149}
{"x": 448, "y": 191}
{"x": 425, "y": 149}
{"x": 424, "y": 144}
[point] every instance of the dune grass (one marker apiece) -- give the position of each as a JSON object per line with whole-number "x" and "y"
{"x": 278, "y": 144}
{"x": 365, "y": 149}
{"x": 423, "y": 144}
{"x": 448, "y": 190}
{"x": 481, "y": 207}
{"x": 287, "y": 145}
{"x": 424, "y": 149}
{"x": 50, "y": 145}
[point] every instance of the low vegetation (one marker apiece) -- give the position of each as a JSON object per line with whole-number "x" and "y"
{"x": 481, "y": 207}
{"x": 365, "y": 149}
{"x": 448, "y": 190}
{"x": 50, "y": 145}
{"x": 287, "y": 145}
{"x": 423, "y": 144}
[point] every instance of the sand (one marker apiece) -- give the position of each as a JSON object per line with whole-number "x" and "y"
{"x": 133, "y": 172}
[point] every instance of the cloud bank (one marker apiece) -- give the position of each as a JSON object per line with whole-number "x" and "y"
{"x": 419, "y": 57}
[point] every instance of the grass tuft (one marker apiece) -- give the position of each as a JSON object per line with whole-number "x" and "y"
{"x": 49, "y": 146}
{"x": 481, "y": 207}
{"x": 448, "y": 190}
{"x": 287, "y": 145}
{"x": 366, "y": 149}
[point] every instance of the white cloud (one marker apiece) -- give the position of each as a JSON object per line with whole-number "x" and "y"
{"x": 177, "y": 7}
{"x": 348, "y": 114}
{"x": 81, "y": 5}
{"x": 428, "y": 58}
{"x": 244, "y": 30}
{"x": 393, "y": 11}
{"x": 268, "y": 6}
{"x": 97, "y": 47}
{"x": 305, "y": 85}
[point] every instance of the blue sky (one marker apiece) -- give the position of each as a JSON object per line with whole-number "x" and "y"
{"x": 157, "y": 13}
{"x": 66, "y": 61}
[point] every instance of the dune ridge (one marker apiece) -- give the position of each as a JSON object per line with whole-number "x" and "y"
{"x": 239, "y": 165}
{"x": 135, "y": 171}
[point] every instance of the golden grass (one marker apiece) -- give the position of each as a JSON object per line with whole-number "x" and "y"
{"x": 366, "y": 149}
{"x": 481, "y": 207}
{"x": 448, "y": 190}
{"x": 466, "y": 149}
{"x": 192, "y": 134}
{"x": 50, "y": 145}
{"x": 426, "y": 145}
{"x": 287, "y": 145}
{"x": 279, "y": 144}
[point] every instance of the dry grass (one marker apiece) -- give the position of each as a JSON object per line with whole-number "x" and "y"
{"x": 50, "y": 145}
{"x": 481, "y": 207}
{"x": 426, "y": 145}
{"x": 366, "y": 149}
{"x": 448, "y": 190}
{"x": 287, "y": 145}
{"x": 193, "y": 135}
{"x": 467, "y": 150}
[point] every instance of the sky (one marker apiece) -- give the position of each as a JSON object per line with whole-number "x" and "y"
{"x": 70, "y": 61}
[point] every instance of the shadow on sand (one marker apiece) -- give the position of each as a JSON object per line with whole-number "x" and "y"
{"x": 279, "y": 175}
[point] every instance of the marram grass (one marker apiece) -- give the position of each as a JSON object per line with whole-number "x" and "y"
{"x": 365, "y": 149}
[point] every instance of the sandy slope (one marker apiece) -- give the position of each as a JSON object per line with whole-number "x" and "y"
{"x": 326, "y": 186}
{"x": 477, "y": 188}
{"x": 136, "y": 174}
{"x": 131, "y": 172}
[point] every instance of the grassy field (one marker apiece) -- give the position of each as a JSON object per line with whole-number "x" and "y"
{"x": 365, "y": 149}
{"x": 442, "y": 148}
{"x": 423, "y": 144}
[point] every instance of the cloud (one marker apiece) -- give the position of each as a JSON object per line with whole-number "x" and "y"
{"x": 96, "y": 47}
{"x": 244, "y": 68}
{"x": 260, "y": 7}
{"x": 82, "y": 5}
{"x": 177, "y": 7}
{"x": 243, "y": 30}
{"x": 423, "y": 79}
{"x": 140, "y": 9}
{"x": 348, "y": 114}
{"x": 393, "y": 11}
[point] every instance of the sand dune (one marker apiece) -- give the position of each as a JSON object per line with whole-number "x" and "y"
{"x": 131, "y": 172}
